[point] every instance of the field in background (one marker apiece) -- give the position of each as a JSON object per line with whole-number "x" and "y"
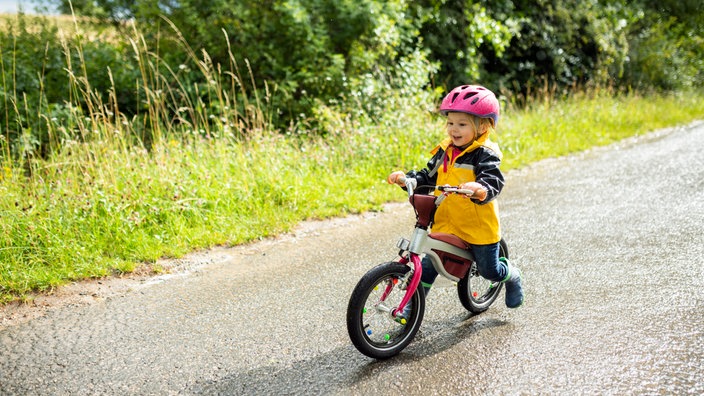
{"x": 104, "y": 208}
{"x": 103, "y": 203}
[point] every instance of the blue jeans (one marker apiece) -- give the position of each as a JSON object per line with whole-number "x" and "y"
{"x": 488, "y": 264}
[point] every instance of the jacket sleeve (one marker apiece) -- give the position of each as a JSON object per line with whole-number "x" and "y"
{"x": 488, "y": 174}
{"x": 427, "y": 178}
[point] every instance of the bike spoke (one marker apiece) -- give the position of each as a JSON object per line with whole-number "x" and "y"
{"x": 370, "y": 321}
{"x": 378, "y": 323}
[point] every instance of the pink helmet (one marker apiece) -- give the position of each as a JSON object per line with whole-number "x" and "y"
{"x": 472, "y": 99}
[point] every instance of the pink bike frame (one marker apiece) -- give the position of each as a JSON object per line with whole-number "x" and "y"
{"x": 425, "y": 214}
{"x": 415, "y": 280}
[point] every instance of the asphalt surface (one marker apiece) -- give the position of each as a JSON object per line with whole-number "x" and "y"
{"x": 610, "y": 242}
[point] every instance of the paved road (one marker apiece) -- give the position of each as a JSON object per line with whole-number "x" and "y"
{"x": 615, "y": 302}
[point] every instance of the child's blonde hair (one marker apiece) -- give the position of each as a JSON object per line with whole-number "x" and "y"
{"x": 482, "y": 125}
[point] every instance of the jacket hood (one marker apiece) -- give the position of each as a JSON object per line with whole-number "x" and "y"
{"x": 482, "y": 141}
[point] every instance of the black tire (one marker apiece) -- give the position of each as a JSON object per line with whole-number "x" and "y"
{"x": 371, "y": 327}
{"x": 476, "y": 293}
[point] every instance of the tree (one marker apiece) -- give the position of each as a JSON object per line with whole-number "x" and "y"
{"x": 667, "y": 45}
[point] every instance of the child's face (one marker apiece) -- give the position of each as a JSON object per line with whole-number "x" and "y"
{"x": 460, "y": 128}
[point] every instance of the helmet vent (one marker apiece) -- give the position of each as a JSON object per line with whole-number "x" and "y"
{"x": 475, "y": 100}
{"x": 455, "y": 96}
{"x": 469, "y": 95}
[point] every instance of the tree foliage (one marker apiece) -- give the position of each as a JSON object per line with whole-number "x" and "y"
{"x": 666, "y": 48}
{"x": 514, "y": 45}
{"x": 310, "y": 45}
{"x": 36, "y": 74}
{"x": 303, "y": 59}
{"x": 305, "y": 50}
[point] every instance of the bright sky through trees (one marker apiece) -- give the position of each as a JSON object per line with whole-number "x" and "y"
{"x": 12, "y": 6}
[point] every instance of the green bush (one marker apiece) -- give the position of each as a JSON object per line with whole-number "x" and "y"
{"x": 666, "y": 55}
{"x": 281, "y": 63}
{"x": 48, "y": 79}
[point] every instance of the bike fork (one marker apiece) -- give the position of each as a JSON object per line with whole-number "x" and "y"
{"x": 415, "y": 281}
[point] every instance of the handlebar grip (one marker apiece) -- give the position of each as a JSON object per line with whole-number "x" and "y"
{"x": 465, "y": 192}
{"x": 455, "y": 190}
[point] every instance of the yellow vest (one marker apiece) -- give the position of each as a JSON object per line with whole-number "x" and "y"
{"x": 458, "y": 215}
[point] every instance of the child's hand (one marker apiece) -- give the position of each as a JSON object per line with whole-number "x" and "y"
{"x": 480, "y": 191}
{"x": 394, "y": 178}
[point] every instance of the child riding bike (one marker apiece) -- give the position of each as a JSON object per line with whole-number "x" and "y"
{"x": 469, "y": 160}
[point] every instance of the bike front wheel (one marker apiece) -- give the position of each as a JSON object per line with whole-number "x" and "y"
{"x": 476, "y": 293}
{"x": 370, "y": 323}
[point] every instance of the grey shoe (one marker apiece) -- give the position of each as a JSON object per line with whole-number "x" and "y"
{"x": 514, "y": 288}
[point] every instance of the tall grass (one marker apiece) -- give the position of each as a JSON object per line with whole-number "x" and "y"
{"x": 105, "y": 201}
{"x": 212, "y": 173}
{"x": 548, "y": 127}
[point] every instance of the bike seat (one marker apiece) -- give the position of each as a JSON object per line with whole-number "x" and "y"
{"x": 453, "y": 240}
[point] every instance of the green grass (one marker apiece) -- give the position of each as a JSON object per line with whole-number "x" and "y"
{"x": 102, "y": 208}
{"x": 555, "y": 128}
{"x": 102, "y": 204}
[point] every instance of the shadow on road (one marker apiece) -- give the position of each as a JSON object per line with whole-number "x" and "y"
{"x": 344, "y": 367}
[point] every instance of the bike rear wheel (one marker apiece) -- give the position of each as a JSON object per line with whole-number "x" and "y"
{"x": 476, "y": 293}
{"x": 371, "y": 326}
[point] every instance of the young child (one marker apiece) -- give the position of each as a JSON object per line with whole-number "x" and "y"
{"x": 468, "y": 159}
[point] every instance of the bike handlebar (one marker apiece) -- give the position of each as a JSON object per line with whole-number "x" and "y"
{"x": 456, "y": 190}
{"x": 411, "y": 184}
